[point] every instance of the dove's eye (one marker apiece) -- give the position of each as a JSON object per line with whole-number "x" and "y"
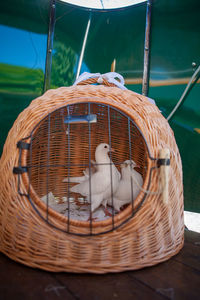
{"x": 105, "y": 147}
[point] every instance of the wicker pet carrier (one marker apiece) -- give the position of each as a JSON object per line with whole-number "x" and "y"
{"x": 45, "y": 224}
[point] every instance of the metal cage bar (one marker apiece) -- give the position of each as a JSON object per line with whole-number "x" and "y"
{"x": 111, "y": 176}
{"x": 68, "y": 171}
{"x": 145, "y": 82}
{"x": 52, "y": 20}
{"x": 48, "y": 158}
{"x": 130, "y": 158}
{"x": 90, "y": 173}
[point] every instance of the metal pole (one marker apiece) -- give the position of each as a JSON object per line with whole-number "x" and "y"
{"x": 185, "y": 93}
{"x": 83, "y": 47}
{"x": 145, "y": 82}
{"x": 52, "y": 19}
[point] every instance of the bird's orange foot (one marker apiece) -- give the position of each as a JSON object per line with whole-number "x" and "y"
{"x": 107, "y": 213}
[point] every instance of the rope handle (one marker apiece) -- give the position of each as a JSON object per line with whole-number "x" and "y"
{"x": 112, "y": 79}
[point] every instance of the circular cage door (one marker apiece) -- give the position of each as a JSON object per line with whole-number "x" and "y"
{"x": 62, "y": 151}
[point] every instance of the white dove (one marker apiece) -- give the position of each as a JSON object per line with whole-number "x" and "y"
{"x": 126, "y": 190}
{"x": 98, "y": 186}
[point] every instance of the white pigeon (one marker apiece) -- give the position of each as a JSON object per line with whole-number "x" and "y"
{"x": 126, "y": 190}
{"x": 103, "y": 182}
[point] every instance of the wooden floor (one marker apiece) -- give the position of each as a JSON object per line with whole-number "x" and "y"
{"x": 178, "y": 278}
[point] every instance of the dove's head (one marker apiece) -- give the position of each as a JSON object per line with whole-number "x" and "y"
{"x": 128, "y": 165}
{"x": 101, "y": 153}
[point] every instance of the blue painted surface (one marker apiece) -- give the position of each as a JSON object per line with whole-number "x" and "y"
{"x": 22, "y": 48}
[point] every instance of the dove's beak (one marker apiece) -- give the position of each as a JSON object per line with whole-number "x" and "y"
{"x": 112, "y": 150}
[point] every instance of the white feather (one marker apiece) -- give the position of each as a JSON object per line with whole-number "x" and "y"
{"x": 103, "y": 182}
{"x": 82, "y": 178}
{"x": 126, "y": 190}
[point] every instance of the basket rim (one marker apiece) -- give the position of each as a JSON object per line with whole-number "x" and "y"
{"x": 121, "y": 216}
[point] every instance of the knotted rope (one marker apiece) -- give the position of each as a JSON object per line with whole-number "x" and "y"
{"x": 109, "y": 79}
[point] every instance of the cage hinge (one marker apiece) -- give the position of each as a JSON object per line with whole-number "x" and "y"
{"x": 163, "y": 162}
{"x": 20, "y": 170}
{"x": 23, "y": 145}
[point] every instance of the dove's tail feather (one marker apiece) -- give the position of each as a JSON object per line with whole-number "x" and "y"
{"x": 75, "y": 189}
{"x": 75, "y": 179}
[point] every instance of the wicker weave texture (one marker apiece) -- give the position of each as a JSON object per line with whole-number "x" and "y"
{"x": 153, "y": 235}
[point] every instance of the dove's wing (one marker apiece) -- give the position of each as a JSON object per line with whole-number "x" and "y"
{"x": 128, "y": 191}
{"x": 122, "y": 193}
{"x": 137, "y": 183}
{"x": 75, "y": 179}
{"x": 99, "y": 182}
{"x": 80, "y": 179}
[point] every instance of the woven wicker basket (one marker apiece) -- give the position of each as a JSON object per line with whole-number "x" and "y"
{"x": 145, "y": 233}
